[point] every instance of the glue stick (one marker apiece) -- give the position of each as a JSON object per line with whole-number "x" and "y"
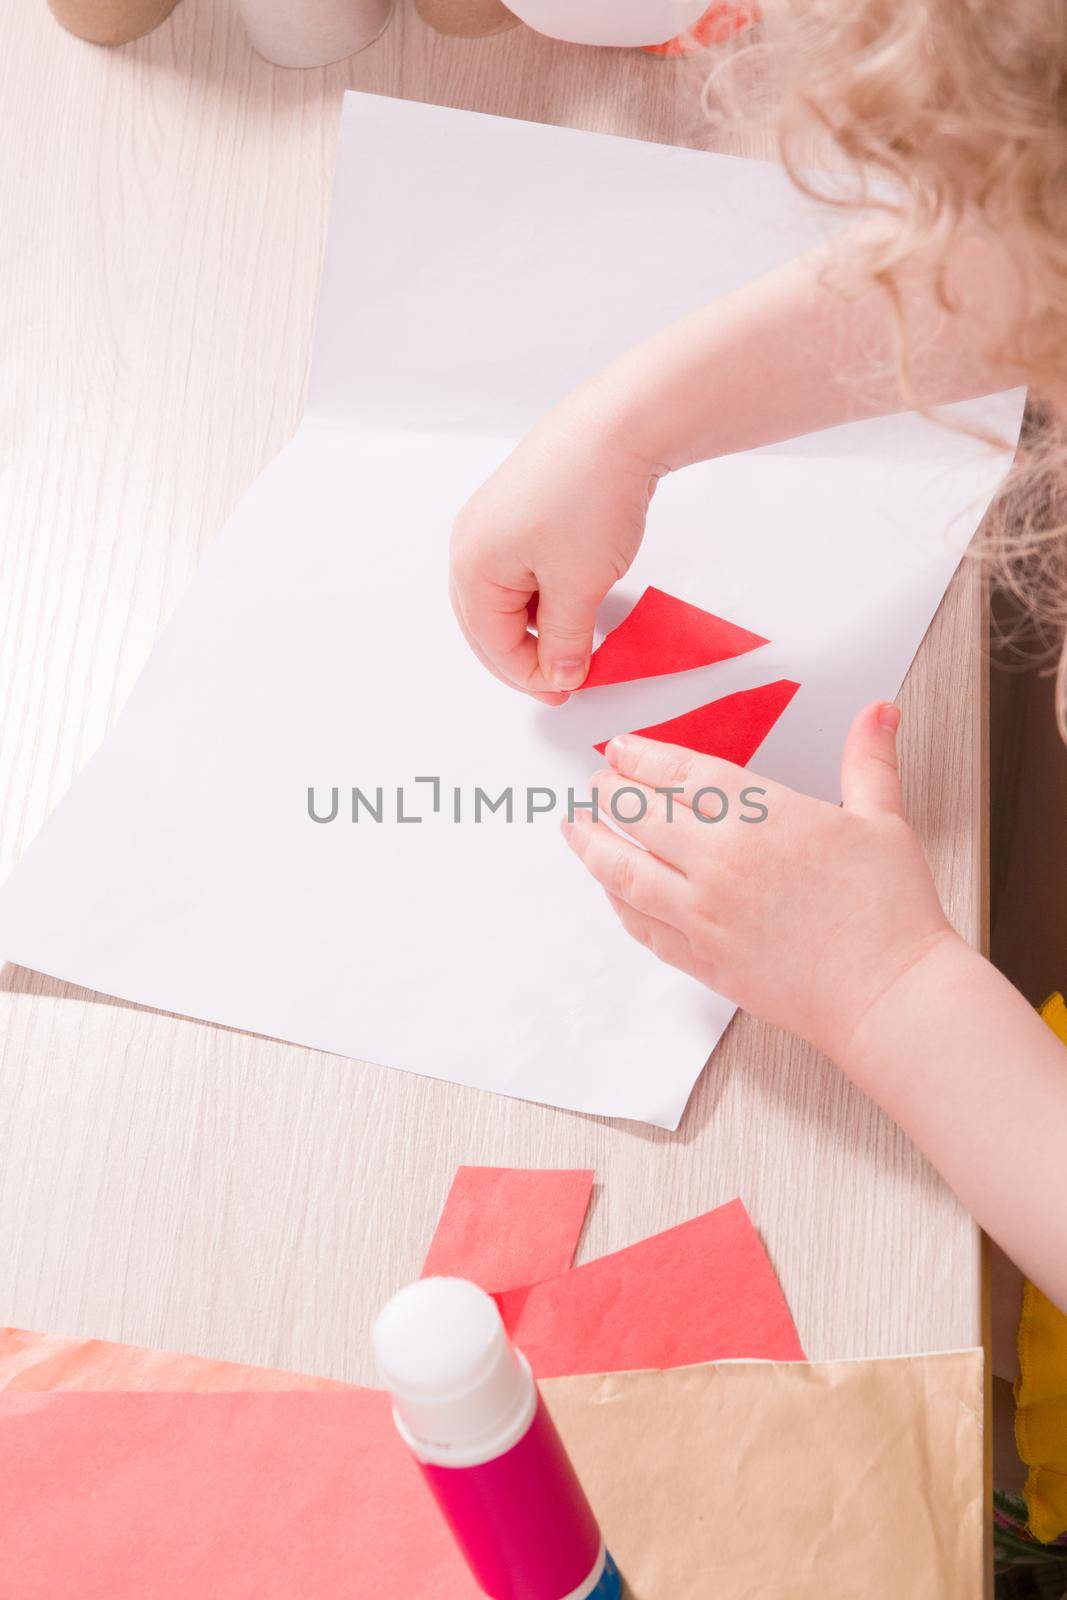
{"x": 466, "y": 1405}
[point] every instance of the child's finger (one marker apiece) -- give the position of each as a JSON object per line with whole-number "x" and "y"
{"x": 870, "y": 774}
{"x": 566, "y": 613}
{"x": 671, "y": 766}
{"x": 656, "y": 821}
{"x": 668, "y": 943}
{"x": 630, "y": 874}
{"x": 493, "y": 621}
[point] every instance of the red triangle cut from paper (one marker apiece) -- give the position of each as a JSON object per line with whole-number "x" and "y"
{"x": 732, "y": 728}
{"x": 664, "y": 634}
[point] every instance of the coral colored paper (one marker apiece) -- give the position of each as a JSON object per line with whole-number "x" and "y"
{"x": 36, "y": 1362}
{"x": 705, "y": 1286}
{"x": 663, "y": 634}
{"x": 732, "y": 728}
{"x": 503, "y": 1227}
{"x": 819, "y": 1482}
{"x": 248, "y": 1496}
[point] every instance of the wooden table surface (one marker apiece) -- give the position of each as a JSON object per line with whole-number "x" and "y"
{"x": 171, "y": 1183}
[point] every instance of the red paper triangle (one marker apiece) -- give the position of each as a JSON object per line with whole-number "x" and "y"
{"x": 664, "y": 634}
{"x": 732, "y": 728}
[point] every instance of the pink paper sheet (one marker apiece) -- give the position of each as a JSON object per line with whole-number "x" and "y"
{"x": 503, "y": 1227}
{"x": 245, "y": 1496}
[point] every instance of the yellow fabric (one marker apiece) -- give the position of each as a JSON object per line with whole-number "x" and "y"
{"x": 1054, "y": 1012}
{"x": 1041, "y": 1388}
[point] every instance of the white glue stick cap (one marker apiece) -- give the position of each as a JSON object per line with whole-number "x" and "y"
{"x": 460, "y": 1389}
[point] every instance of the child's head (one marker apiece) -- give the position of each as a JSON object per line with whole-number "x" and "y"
{"x": 962, "y": 105}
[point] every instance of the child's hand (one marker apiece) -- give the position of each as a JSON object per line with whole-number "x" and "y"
{"x": 542, "y": 542}
{"x": 806, "y": 918}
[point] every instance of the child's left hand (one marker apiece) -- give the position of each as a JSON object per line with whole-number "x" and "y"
{"x": 807, "y": 917}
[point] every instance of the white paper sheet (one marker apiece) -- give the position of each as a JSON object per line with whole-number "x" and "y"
{"x": 476, "y": 269}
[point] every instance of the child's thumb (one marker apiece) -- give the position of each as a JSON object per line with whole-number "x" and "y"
{"x": 565, "y": 619}
{"x": 870, "y": 775}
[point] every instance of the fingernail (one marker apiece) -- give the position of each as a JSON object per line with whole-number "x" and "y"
{"x": 566, "y": 674}
{"x": 616, "y": 749}
{"x": 889, "y": 716}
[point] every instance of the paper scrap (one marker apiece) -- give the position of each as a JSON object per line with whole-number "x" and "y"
{"x": 818, "y": 1482}
{"x": 718, "y": 24}
{"x": 315, "y": 653}
{"x": 732, "y": 728}
{"x": 506, "y": 1227}
{"x": 702, "y": 1291}
{"x": 663, "y": 634}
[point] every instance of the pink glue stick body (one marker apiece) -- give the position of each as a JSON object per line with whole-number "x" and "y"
{"x": 467, "y": 1407}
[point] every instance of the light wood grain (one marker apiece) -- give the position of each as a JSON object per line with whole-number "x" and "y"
{"x": 171, "y": 1183}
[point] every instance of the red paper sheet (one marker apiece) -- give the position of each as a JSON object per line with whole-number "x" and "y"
{"x": 664, "y": 634}
{"x": 732, "y": 728}
{"x": 506, "y": 1226}
{"x": 703, "y": 1291}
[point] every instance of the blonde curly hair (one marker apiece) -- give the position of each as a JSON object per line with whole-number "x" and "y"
{"x": 962, "y": 104}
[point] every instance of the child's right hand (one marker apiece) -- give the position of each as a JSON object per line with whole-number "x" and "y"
{"x": 542, "y": 542}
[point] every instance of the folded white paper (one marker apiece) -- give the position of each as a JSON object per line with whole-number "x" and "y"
{"x": 476, "y": 268}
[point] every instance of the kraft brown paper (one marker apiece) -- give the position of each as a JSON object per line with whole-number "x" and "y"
{"x": 466, "y": 19}
{"x": 110, "y": 21}
{"x": 832, "y": 1480}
